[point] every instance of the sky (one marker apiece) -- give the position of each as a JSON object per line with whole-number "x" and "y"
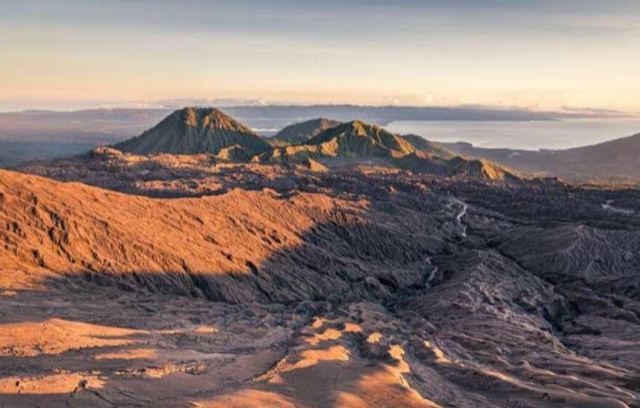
{"x": 537, "y": 54}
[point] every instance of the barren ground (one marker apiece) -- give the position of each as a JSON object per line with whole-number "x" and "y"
{"x": 358, "y": 287}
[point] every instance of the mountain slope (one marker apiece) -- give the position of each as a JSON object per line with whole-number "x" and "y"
{"x": 194, "y": 131}
{"x": 302, "y": 132}
{"x": 616, "y": 160}
{"x": 360, "y": 139}
{"x": 433, "y": 158}
{"x": 348, "y": 140}
{"x": 427, "y": 146}
{"x": 237, "y": 247}
{"x": 421, "y": 162}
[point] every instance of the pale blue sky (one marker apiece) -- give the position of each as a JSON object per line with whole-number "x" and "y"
{"x": 539, "y": 54}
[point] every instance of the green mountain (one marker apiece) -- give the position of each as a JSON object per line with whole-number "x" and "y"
{"x": 358, "y": 139}
{"x": 194, "y": 131}
{"x": 301, "y": 132}
{"x": 429, "y": 163}
{"x": 354, "y": 139}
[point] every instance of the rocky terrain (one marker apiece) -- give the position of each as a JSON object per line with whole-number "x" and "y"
{"x": 369, "y": 275}
{"x": 364, "y": 285}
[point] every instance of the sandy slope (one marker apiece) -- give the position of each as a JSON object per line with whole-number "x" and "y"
{"x": 367, "y": 295}
{"x": 97, "y": 230}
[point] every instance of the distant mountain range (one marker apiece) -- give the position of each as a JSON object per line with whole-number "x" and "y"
{"x": 616, "y": 160}
{"x": 68, "y": 133}
{"x": 208, "y": 131}
{"x": 192, "y": 131}
{"x": 112, "y": 125}
{"x": 36, "y": 135}
{"x": 352, "y": 139}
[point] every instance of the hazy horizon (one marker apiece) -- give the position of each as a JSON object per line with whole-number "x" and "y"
{"x": 180, "y": 103}
{"x": 541, "y": 55}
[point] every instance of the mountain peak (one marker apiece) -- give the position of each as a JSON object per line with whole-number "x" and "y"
{"x": 207, "y": 117}
{"x": 359, "y": 128}
{"x": 358, "y": 138}
{"x": 301, "y": 132}
{"x": 195, "y": 130}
